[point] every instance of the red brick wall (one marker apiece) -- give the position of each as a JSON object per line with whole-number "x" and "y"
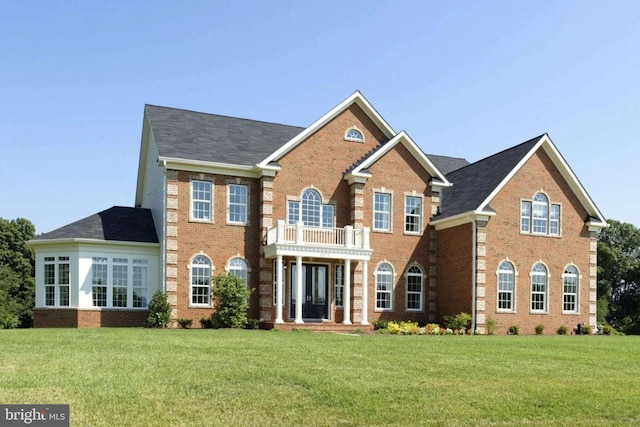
{"x": 217, "y": 240}
{"x": 71, "y": 318}
{"x": 454, "y": 271}
{"x": 504, "y": 240}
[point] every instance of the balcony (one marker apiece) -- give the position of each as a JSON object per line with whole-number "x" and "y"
{"x": 300, "y": 240}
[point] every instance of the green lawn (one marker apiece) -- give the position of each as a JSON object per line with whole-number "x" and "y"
{"x": 142, "y": 377}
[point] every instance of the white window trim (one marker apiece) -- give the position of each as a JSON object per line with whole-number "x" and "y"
{"x": 352, "y": 139}
{"x": 192, "y": 200}
{"x": 577, "y": 294}
{"x": 513, "y": 291}
{"x": 420, "y": 217}
{"x": 421, "y": 293}
{"x": 391, "y": 292}
{"x": 550, "y": 203}
{"x": 323, "y": 204}
{"x": 211, "y": 269}
{"x": 545, "y": 310}
{"x": 373, "y": 220}
{"x": 112, "y": 261}
{"x": 57, "y": 261}
{"x": 246, "y": 206}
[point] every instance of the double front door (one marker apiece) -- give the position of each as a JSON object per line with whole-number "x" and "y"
{"x": 315, "y": 291}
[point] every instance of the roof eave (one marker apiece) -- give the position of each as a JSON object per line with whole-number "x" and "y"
{"x": 463, "y": 218}
{"x": 211, "y": 167}
{"x": 79, "y": 240}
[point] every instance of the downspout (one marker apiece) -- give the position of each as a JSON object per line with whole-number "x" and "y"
{"x": 473, "y": 275}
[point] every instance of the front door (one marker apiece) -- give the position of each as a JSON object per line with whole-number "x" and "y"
{"x": 314, "y": 291}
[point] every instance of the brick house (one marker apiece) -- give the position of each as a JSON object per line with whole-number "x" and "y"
{"x": 340, "y": 223}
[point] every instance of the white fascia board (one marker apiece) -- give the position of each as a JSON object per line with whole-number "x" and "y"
{"x": 142, "y": 161}
{"x": 546, "y": 144}
{"x": 355, "y": 97}
{"x": 360, "y": 178}
{"x": 463, "y": 218}
{"x": 210, "y": 167}
{"x": 77, "y": 241}
{"x": 415, "y": 151}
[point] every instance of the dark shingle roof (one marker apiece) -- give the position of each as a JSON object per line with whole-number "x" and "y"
{"x": 191, "y": 135}
{"x": 117, "y": 224}
{"x": 473, "y": 183}
{"x": 447, "y": 164}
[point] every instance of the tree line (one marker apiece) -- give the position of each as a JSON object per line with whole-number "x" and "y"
{"x": 618, "y": 275}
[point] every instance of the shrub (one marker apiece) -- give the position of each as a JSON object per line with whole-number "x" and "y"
{"x": 586, "y": 330}
{"x": 185, "y": 323}
{"x": 231, "y": 301}
{"x": 432, "y": 329}
{"x": 607, "y": 330}
{"x": 514, "y": 330}
{"x": 458, "y": 321}
{"x": 492, "y": 326}
{"x": 562, "y": 330}
{"x": 205, "y": 322}
{"x": 252, "y": 324}
{"x": 394, "y": 328}
{"x": 539, "y": 329}
{"x": 380, "y": 324}
{"x": 159, "y": 311}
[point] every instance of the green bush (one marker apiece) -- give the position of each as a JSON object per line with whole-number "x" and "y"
{"x": 607, "y": 330}
{"x": 539, "y": 329}
{"x": 252, "y": 324}
{"x": 492, "y": 326}
{"x": 185, "y": 323}
{"x": 380, "y": 324}
{"x": 459, "y": 321}
{"x": 159, "y": 311}
{"x": 586, "y": 330}
{"x": 562, "y": 330}
{"x": 231, "y": 301}
{"x": 206, "y": 323}
{"x": 514, "y": 330}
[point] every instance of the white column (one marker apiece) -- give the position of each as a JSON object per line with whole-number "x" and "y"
{"x": 365, "y": 293}
{"x": 299, "y": 296}
{"x": 279, "y": 289}
{"x": 347, "y": 292}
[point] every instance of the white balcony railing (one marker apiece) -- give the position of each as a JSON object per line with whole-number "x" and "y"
{"x": 299, "y": 234}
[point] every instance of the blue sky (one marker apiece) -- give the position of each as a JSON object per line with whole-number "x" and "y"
{"x": 464, "y": 79}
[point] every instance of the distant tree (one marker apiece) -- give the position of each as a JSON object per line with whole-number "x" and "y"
{"x": 17, "y": 279}
{"x": 619, "y": 276}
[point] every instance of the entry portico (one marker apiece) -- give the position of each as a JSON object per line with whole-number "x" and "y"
{"x": 300, "y": 241}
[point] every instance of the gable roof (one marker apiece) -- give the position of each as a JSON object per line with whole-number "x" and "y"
{"x": 122, "y": 224}
{"x": 190, "y": 135}
{"x": 360, "y": 169}
{"x": 355, "y": 98}
{"x": 447, "y": 164}
{"x": 476, "y": 184}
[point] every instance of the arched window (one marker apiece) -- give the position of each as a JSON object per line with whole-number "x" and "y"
{"x": 311, "y": 211}
{"x": 353, "y": 134}
{"x": 570, "y": 289}
{"x": 414, "y": 288}
{"x": 384, "y": 287}
{"x": 201, "y": 281}
{"x": 311, "y": 204}
{"x": 540, "y": 213}
{"x": 539, "y": 288}
{"x": 238, "y": 267}
{"x": 506, "y": 286}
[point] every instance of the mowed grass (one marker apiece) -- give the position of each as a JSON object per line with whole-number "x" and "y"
{"x": 142, "y": 377}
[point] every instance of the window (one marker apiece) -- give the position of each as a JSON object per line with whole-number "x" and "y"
{"x": 506, "y": 285}
{"x": 63, "y": 281}
{"x": 525, "y": 216}
{"x": 382, "y": 211}
{"x": 275, "y": 285}
{"x": 140, "y": 282}
{"x": 238, "y": 202}
{"x": 539, "y": 288}
{"x": 353, "y": 134}
{"x": 238, "y": 267}
{"x": 201, "y": 200}
{"x": 311, "y": 211}
{"x": 120, "y": 279}
{"x": 412, "y": 214}
{"x": 49, "y": 281}
{"x": 414, "y": 288}
{"x": 570, "y": 289}
{"x": 201, "y": 281}
{"x": 339, "y": 283}
{"x": 99, "y": 272}
{"x": 56, "y": 281}
{"x": 384, "y": 287}
{"x": 539, "y": 216}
